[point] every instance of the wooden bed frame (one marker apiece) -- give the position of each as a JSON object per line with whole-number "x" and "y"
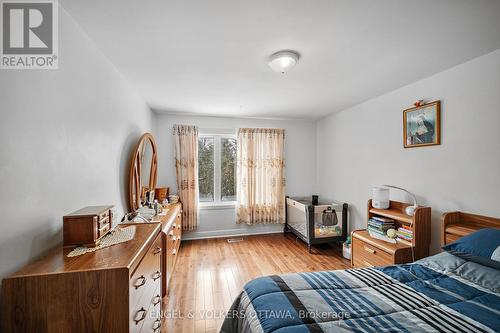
{"x": 458, "y": 224}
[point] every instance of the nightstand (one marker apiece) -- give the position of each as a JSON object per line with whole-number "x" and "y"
{"x": 368, "y": 251}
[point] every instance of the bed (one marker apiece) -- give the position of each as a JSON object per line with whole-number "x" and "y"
{"x": 441, "y": 293}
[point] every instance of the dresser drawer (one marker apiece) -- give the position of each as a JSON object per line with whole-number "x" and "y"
{"x": 145, "y": 284}
{"x": 178, "y": 231}
{"x": 152, "y": 323}
{"x": 148, "y": 307}
{"x": 103, "y": 230}
{"x": 173, "y": 241}
{"x": 101, "y": 223}
{"x": 147, "y": 274}
{"x": 171, "y": 253}
{"x": 103, "y": 215}
{"x": 366, "y": 255}
{"x": 178, "y": 221}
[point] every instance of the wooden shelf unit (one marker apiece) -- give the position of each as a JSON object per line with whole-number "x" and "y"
{"x": 394, "y": 214}
{"x": 369, "y": 251}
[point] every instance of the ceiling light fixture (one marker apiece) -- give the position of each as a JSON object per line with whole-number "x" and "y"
{"x": 283, "y": 61}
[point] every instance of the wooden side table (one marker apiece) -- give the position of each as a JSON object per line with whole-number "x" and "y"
{"x": 368, "y": 251}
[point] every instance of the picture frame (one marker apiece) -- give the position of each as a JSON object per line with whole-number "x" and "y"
{"x": 422, "y": 125}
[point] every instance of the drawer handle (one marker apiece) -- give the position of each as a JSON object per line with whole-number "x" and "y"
{"x": 142, "y": 282}
{"x": 156, "y": 325}
{"x": 156, "y": 300}
{"x": 372, "y": 251}
{"x": 174, "y": 251}
{"x": 171, "y": 233}
{"x": 157, "y": 250}
{"x": 156, "y": 275}
{"x": 140, "y": 315}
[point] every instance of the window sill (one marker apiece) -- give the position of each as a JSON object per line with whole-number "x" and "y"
{"x": 212, "y": 206}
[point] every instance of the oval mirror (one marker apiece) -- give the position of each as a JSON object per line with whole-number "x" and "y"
{"x": 143, "y": 168}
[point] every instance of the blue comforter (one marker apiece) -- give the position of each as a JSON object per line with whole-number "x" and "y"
{"x": 442, "y": 293}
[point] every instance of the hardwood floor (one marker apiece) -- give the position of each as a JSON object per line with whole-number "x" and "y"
{"x": 210, "y": 273}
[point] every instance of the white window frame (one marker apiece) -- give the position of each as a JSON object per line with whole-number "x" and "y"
{"x": 217, "y": 134}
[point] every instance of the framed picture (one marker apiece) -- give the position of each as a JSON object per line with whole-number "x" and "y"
{"x": 422, "y": 125}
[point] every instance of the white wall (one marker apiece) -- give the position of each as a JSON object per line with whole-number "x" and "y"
{"x": 300, "y": 154}
{"x": 66, "y": 138}
{"x": 463, "y": 173}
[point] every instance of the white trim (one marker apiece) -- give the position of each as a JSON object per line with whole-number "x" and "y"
{"x": 217, "y": 183}
{"x": 217, "y": 234}
{"x": 162, "y": 112}
{"x": 216, "y": 206}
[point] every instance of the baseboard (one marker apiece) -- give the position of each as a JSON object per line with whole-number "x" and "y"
{"x": 218, "y": 234}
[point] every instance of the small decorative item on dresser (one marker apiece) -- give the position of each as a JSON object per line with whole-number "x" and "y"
{"x": 87, "y": 226}
{"x": 173, "y": 198}
{"x": 162, "y": 193}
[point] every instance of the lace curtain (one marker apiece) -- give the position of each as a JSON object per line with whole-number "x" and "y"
{"x": 261, "y": 176}
{"x": 186, "y": 167}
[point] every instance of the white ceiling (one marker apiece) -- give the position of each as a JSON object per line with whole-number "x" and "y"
{"x": 210, "y": 56}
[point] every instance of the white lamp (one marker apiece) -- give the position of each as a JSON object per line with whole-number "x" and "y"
{"x": 380, "y": 198}
{"x": 283, "y": 61}
{"x": 410, "y": 210}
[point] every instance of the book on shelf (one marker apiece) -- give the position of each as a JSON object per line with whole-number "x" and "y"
{"x": 406, "y": 228}
{"x": 382, "y": 219}
{"x": 380, "y": 225}
{"x": 408, "y": 234}
{"x": 377, "y": 222}
{"x": 403, "y": 241}
{"x": 404, "y": 232}
{"x": 383, "y": 227}
{"x": 381, "y": 237}
{"x": 404, "y": 237}
{"x": 378, "y": 231}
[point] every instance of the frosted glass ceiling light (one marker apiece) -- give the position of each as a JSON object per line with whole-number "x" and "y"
{"x": 283, "y": 61}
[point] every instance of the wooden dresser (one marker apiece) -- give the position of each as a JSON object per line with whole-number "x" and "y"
{"x": 368, "y": 251}
{"x": 171, "y": 241}
{"x": 116, "y": 289}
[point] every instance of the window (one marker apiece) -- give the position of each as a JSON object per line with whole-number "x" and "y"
{"x": 206, "y": 168}
{"x": 216, "y": 168}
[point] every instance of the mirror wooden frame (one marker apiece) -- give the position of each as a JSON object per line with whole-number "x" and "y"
{"x": 135, "y": 171}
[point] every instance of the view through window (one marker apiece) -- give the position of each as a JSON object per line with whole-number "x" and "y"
{"x": 206, "y": 168}
{"x": 217, "y": 168}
